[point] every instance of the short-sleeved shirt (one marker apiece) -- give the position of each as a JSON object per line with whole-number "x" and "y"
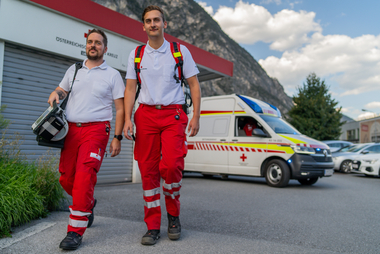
{"x": 93, "y": 93}
{"x": 158, "y": 86}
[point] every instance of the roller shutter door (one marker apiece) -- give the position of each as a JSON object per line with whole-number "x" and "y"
{"x": 29, "y": 76}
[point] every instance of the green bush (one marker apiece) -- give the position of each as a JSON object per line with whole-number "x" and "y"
{"x": 46, "y": 182}
{"x": 19, "y": 202}
{"x": 27, "y": 190}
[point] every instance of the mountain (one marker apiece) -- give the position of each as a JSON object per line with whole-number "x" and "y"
{"x": 189, "y": 22}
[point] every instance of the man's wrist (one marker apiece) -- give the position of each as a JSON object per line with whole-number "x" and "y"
{"x": 118, "y": 137}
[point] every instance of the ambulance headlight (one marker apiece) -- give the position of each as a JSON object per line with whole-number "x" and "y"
{"x": 303, "y": 149}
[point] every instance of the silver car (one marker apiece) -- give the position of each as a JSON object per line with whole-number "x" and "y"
{"x": 335, "y": 145}
{"x": 343, "y": 158}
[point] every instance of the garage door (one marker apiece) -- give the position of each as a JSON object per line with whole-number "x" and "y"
{"x": 29, "y": 76}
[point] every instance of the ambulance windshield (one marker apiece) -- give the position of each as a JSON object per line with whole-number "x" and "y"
{"x": 279, "y": 125}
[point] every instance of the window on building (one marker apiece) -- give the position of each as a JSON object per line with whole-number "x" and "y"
{"x": 351, "y": 135}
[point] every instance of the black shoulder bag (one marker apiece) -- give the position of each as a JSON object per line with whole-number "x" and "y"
{"x": 51, "y": 127}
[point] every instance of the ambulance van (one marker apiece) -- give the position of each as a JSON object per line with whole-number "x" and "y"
{"x": 243, "y": 136}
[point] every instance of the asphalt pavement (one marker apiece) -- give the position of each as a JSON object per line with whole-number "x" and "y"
{"x": 240, "y": 215}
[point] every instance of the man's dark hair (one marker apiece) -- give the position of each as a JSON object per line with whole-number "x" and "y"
{"x": 98, "y": 31}
{"x": 152, "y": 8}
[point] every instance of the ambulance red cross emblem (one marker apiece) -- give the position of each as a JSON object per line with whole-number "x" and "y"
{"x": 86, "y": 34}
{"x": 243, "y": 157}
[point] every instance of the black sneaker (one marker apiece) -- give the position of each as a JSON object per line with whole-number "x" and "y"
{"x": 174, "y": 228}
{"x": 91, "y": 217}
{"x": 71, "y": 241}
{"x": 150, "y": 237}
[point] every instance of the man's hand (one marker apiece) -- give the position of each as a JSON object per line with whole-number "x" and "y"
{"x": 195, "y": 91}
{"x": 56, "y": 95}
{"x": 193, "y": 126}
{"x": 128, "y": 126}
{"x": 115, "y": 147}
{"x": 53, "y": 97}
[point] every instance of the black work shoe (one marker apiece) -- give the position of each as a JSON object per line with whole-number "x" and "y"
{"x": 150, "y": 237}
{"x": 71, "y": 241}
{"x": 91, "y": 217}
{"x": 174, "y": 228}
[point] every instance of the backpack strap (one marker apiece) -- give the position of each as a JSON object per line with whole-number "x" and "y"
{"x": 176, "y": 52}
{"x": 139, "y": 52}
{"x": 175, "y": 47}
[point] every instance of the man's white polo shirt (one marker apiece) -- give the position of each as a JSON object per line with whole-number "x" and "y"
{"x": 93, "y": 93}
{"x": 158, "y": 86}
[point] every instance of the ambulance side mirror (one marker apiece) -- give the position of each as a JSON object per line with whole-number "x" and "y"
{"x": 259, "y": 133}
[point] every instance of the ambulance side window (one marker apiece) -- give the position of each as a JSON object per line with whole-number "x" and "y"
{"x": 245, "y": 125}
{"x": 214, "y": 126}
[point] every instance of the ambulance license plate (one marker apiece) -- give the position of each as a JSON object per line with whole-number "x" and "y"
{"x": 329, "y": 172}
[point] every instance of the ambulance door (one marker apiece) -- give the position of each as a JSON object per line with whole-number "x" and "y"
{"x": 246, "y": 151}
{"x": 209, "y": 152}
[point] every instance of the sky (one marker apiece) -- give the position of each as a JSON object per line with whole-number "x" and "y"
{"x": 338, "y": 40}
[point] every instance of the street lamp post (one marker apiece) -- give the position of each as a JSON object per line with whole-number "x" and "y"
{"x": 366, "y": 110}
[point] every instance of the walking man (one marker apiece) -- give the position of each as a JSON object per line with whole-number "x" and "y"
{"x": 160, "y": 145}
{"x": 89, "y": 112}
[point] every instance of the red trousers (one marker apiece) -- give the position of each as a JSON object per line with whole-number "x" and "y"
{"x": 160, "y": 149}
{"x": 81, "y": 158}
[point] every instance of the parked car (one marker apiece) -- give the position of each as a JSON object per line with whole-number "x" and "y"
{"x": 343, "y": 158}
{"x": 368, "y": 164}
{"x": 336, "y": 145}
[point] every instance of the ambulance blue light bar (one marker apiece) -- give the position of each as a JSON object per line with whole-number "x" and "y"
{"x": 252, "y": 104}
{"x": 260, "y": 106}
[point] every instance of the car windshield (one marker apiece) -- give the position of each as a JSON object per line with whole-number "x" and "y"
{"x": 279, "y": 125}
{"x": 352, "y": 148}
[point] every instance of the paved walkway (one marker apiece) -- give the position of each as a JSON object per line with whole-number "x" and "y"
{"x": 121, "y": 232}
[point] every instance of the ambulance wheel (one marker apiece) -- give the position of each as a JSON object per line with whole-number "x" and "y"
{"x": 277, "y": 173}
{"x": 345, "y": 167}
{"x": 308, "y": 181}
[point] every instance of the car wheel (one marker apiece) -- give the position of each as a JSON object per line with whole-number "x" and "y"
{"x": 277, "y": 173}
{"x": 308, "y": 181}
{"x": 345, "y": 167}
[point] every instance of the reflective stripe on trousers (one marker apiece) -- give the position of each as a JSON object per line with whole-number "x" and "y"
{"x": 78, "y": 223}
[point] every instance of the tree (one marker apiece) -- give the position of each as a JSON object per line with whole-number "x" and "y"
{"x": 314, "y": 113}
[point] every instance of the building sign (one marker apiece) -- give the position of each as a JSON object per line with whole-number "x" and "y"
{"x": 58, "y": 34}
{"x": 370, "y": 131}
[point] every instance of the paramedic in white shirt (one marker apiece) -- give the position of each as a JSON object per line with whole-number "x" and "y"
{"x": 160, "y": 123}
{"x": 89, "y": 112}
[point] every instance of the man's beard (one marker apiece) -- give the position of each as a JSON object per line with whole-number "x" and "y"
{"x": 95, "y": 57}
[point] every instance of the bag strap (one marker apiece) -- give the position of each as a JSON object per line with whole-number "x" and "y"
{"x": 175, "y": 47}
{"x": 176, "y": 52}
{"x": 78, "y": 65}
{"x": 139, "y": 52}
